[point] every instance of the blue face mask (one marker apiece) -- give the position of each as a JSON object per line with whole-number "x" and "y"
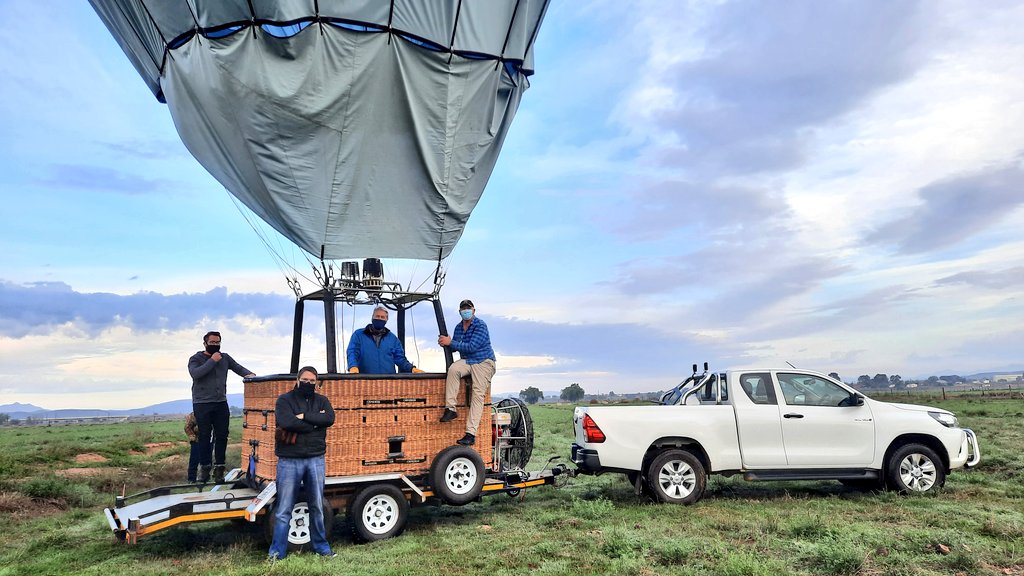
{"x": 466, "y": 314}
{"x": 378, "y": 324}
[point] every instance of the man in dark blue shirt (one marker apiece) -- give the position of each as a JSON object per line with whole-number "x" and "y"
{"x": 472, "y": 341}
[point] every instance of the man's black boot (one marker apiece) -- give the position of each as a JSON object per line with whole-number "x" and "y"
{"x": 467, "y": 440}
{"x": 448, "y": 415}
{"x": 204, "y": 474}
{"x": 218, "y": 473}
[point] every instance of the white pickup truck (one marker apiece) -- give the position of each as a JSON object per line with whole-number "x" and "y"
{"x": 771, "y": 424}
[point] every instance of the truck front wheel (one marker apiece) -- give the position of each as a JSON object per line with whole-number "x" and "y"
{"x": 915, "y": 468}
{"x": 676, "y": 477}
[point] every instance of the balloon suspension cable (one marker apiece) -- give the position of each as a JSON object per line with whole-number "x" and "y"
{"x": 339, "y": 343}
{"x": 276, "y": 253}
{"x": 322, "y": 278}
{"x": 326, "y": 278}
{"x": 438, "y": 274}
{"x": 415, "y": 345}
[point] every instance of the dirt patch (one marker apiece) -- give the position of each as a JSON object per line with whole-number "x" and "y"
{"x": 21, "y": 506}
{"x": 79, "y": 472}
{"x": 172, "y": 459}
{"x": 89, "y": 458}
{"x": 154, "y": 447}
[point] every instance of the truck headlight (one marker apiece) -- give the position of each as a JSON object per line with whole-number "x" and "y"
{"x": 946, "y": 419}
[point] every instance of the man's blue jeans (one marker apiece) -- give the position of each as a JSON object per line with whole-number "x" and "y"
{"x": 290, "y": 473}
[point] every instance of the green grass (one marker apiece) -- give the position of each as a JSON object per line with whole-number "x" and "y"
{"x": 585, "y": 525}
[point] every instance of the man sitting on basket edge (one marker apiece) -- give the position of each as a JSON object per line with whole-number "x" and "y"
{"x": 473, "y": 342}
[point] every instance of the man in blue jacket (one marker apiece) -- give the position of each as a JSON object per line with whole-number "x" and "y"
{"x": 375, "y": 350}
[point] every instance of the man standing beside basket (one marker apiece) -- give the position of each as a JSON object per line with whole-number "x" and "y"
{"x": 472, "y": 341}
{"x": 302, "y": 418}
{"x": 209, "y": 371}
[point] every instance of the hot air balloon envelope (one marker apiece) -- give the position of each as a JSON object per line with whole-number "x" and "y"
{"x": 354, "y": 128}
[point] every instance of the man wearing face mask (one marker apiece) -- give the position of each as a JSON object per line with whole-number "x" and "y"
{"x": 376, "y": 350}
{"x": 301, "y": 418}
{"x": 209, "y": 371}
{"x": 472, "y": 341}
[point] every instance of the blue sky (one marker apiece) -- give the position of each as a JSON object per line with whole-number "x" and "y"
{"x": 837, "y": 185}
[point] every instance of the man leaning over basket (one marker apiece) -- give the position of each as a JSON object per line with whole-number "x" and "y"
{"x": 302, "y": 418}
{"x": 472, "y": 341}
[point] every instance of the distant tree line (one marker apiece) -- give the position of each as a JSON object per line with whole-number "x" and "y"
{"x": 531, "y": 395}
{"x": 571, "y": 393}
{"x": 897, "y": 381}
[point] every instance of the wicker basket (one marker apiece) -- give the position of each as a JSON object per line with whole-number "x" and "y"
{"x": 383, "y": 424}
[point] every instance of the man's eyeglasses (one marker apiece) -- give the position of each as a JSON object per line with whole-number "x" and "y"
{"x": 304, "y": 381}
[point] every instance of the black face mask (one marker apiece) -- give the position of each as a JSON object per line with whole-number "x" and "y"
{"x": 212, "y": 348}
{"x": 306, "y": 390}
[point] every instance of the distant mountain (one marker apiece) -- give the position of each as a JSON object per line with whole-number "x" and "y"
{"x": 18, "y": 407}
{"x": 990, "y": 375}
{"x": 21, "y": 411}
{"x": 18, "y": 410}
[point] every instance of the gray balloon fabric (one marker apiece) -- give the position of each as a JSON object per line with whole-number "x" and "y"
{"x": 356, "y": 128}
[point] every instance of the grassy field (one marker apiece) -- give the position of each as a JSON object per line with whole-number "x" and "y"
{"x": 53, "y": 524}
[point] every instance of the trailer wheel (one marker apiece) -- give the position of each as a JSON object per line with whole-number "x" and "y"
{"x": 378, "y": 512}
{"x": 299, "y": 536}
{"x": 457, "y": 475}
{"x": 676, "y": 477}
{"x": 915, "y": 468}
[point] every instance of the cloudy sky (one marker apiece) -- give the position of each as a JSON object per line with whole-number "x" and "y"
{"x": 838, "y": 185}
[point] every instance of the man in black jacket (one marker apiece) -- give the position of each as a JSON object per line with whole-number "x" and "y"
{"x": 302, "y": 417}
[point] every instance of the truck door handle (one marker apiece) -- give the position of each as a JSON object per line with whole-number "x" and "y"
{"x": 793, "y": 415}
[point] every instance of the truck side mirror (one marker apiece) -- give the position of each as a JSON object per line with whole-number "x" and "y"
{"x": 854, "y": 399}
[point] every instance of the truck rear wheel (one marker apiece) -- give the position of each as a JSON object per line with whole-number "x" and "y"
{"x": 457, "y": 475}
{"x": 676, "y": 477}
{"x": 378, "y": 512}
{"x": 915, "y": 468}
